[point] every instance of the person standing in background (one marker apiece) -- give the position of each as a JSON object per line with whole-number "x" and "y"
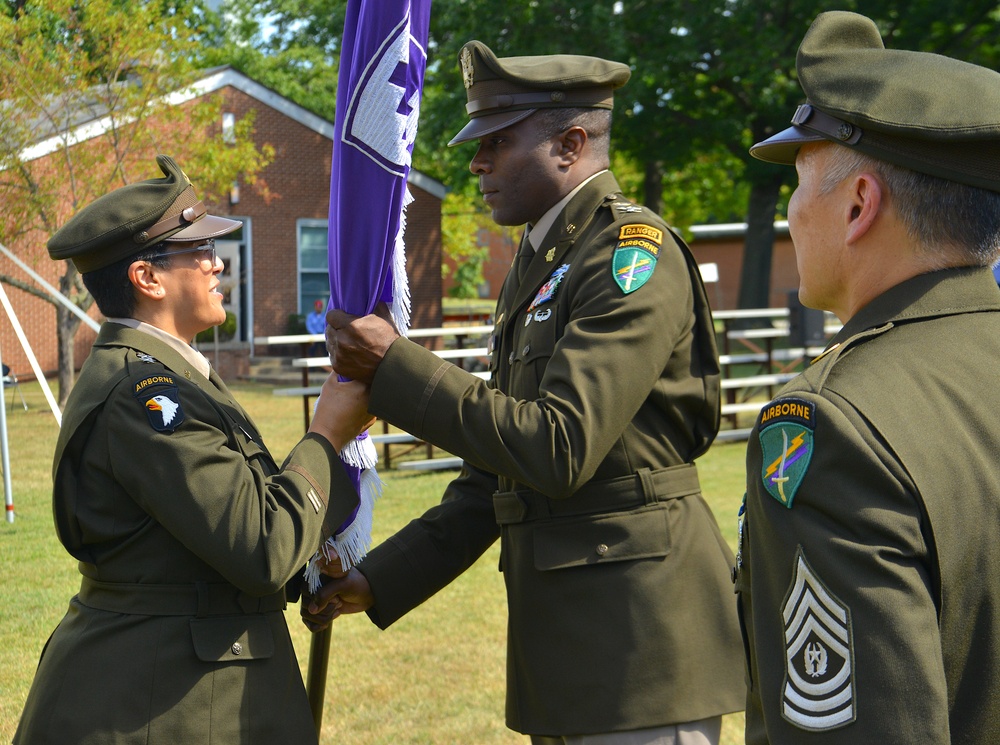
{"x": 316, "y": 324}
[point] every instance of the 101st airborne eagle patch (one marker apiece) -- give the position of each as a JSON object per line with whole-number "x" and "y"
{"x": 786, "y": 441}
{"x": 161, "y": 399}
{"x": 635, "y": 256}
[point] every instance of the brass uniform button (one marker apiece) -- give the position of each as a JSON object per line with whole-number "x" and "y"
{"x": 237, "y": 649}
{"x": 601, "y": 549}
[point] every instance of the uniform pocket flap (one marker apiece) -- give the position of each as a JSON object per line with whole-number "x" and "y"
{"x": 232, "y": 638}
{"x": 599, "y": 539}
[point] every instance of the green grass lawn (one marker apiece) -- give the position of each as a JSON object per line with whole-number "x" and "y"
{"x": 436, "y": 676}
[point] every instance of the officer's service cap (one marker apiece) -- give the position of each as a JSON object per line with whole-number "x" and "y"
{"x": 136, "y": 217}
{"x": 504, "y": 90}
{"x": 926, "y": 112}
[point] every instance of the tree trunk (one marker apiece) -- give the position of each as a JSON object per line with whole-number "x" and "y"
{"x": 66, "y": 327}
{"x": 755, "y": 275}
{"x": 652, "y": 186}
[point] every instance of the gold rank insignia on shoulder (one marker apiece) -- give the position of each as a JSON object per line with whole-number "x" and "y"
{"x": 786, "y": 440}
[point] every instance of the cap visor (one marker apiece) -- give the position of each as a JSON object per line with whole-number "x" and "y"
{"x": 782, "y": 147}
{"x": 488, "y": 124}
{"x": 209, "y": 226}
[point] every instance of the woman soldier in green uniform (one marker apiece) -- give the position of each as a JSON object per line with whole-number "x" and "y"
{"x": 186, "y": 531}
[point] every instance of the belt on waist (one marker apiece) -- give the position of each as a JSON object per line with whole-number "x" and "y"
{"x": 194, "y": 599}
{"x": 643, "y": 487}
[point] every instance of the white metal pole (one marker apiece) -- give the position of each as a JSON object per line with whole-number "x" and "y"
{"x": 56, "y": 295}
{"x": 8, "y": 492}
{"x": 39, "y": 376}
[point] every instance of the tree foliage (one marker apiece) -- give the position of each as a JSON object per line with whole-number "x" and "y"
{"x": 709, "y": 79}
{"x": 64, "y": 63}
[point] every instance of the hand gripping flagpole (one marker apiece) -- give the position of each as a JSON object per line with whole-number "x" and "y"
{"x": 382, "y": 63}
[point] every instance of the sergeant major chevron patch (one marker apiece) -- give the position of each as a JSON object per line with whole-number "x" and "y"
{"x": 818, "y": 692}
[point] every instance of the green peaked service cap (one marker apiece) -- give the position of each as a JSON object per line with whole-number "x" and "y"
{"x": 923, "y": 111}
{"x": 504, "y": 90}
{"x": 136, "y": 217}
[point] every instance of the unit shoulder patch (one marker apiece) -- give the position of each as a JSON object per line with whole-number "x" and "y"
{"x": 818, "y": 692}
{"x": 159, "y": 395}
{"x": 786, "y": 440}
{"x": 635, "y": 255}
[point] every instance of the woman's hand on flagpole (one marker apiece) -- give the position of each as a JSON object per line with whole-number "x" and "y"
{"x": 350, "y": 593}
{"x": 341, "y": 411}
{"x": 357, "y": 344}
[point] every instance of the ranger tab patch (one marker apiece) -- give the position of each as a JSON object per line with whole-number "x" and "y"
{"x": 786, "y": 441}
{"x": 818, "y": 692}
{"x": 159, "y": 396}
{"x": 635, "y": 256}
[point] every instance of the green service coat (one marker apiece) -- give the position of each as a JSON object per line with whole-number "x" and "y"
{"x": 186, "y": 534}
{"x": 870, "y": 550}
{"x": 578, "y": 456}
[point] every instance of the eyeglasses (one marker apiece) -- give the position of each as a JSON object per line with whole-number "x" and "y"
{"x": 204, "y": 247}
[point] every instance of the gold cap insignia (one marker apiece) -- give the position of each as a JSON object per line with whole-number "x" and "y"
{"x": 468, "y": 71}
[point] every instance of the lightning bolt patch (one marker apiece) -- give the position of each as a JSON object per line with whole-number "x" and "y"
{"x": 786, "y": 441}
{"x": 635, "y": 256}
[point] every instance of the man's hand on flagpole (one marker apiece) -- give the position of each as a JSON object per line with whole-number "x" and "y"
{"x": 357, "y": 344}
{"x": 341, "y": 412}
{"x": 349, "y": 593}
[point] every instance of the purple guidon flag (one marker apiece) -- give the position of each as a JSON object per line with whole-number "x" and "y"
{"x": 382, "y": 63}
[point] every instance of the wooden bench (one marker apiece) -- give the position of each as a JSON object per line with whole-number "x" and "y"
{"x": 776, "y": 366}
{"x": 385, "y": 439}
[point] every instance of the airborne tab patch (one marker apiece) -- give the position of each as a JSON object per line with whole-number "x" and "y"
{"x": 818, "y": 692}
{"x": 786, "y": 442}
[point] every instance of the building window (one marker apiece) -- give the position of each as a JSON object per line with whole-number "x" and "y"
{"x": 229, "y": 128}
{"x": 314, "y": 268}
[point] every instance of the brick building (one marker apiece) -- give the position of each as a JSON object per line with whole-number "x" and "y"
{"x": 721, "y": 245}
{"x": 275, "y": 265}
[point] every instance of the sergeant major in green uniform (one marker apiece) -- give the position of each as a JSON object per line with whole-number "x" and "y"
{"x": 870, "y": 551}
{"x": 185, "y": 529}
{"x": 579, "y": 450}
